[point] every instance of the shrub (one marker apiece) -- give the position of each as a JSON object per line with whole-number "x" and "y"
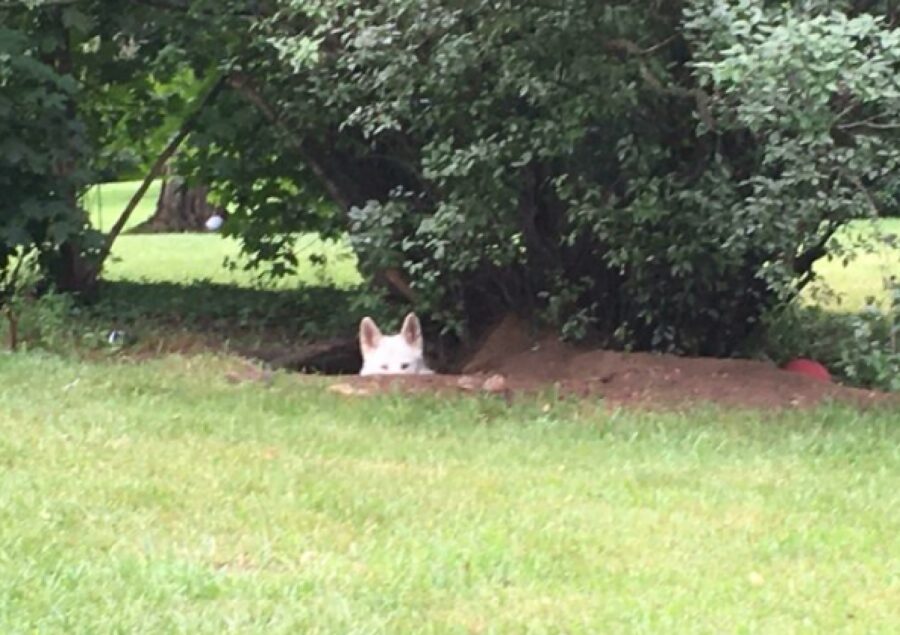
{"x": 37, "y": 180}
{"x": 32, "y": 320}
{"x": 860, "y": 348}
{"x": 658, "y": 176}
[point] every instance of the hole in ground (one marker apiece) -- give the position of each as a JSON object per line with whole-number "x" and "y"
{"x": 330, "y": 357}
{"x": 527, "y": 362}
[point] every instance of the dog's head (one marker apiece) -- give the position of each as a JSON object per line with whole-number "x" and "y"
{"x": 400, "y": 354}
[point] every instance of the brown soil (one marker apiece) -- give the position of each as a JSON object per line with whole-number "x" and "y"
{"x": 510, "y": 360}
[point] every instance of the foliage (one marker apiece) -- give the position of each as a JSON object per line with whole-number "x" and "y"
{"x": 83, "y": 86}
{"x": 39, "y": 174}
{"x": 221, "y": 312}
{"x": 658, "y": 177}
{"x": 860, "y": 348}
{"x": 15, "y": 285}
{"x": 45, "y": 322}
{"x": 872, "y": 356}
{"x": 32, "y": 319}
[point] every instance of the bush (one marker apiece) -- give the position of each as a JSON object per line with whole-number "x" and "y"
{"x": 83, "y": 87}
{"x": 861, "y": 348}
{"x": 45, "y": 322}
{"x": 40, "y": 175}
{"x": 30, "y": 319}
{"x": 656, "y": 176}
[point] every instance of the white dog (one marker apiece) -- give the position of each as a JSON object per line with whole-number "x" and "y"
{"x": 400, "y": 354}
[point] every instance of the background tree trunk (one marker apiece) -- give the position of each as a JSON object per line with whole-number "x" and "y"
{"x": 179, "y": 208}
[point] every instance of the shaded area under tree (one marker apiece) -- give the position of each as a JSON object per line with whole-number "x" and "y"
{"x": 180, "y": 207}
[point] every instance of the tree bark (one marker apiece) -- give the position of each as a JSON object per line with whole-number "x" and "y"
{"x": 343, "y": 188}
{"x": 155, "y": 171}
{"x": 179, "y": 208}
{"x": 69, "y": 268}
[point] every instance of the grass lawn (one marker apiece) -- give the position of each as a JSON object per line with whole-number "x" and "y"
{"x": 160, "y": 498}
{"x": 105, "y": 202}
{"x": 864, "y": 276}
{"x": 184, "y": 258}
{"x": 163, "y": 497}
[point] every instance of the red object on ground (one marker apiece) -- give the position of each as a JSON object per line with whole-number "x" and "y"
{"x": 809, "y": 368}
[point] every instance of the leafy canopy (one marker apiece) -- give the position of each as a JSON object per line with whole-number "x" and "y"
{"x": 657, "y": 175}
{"x": 660, "y": 176}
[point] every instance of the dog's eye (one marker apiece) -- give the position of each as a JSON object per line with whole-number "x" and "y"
{"x": 384, "y": 367}
{"x": 404, "y": 366}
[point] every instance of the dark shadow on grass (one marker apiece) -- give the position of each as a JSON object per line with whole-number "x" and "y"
{"x": 310, "y": 329}
{"x": 302, "y": 314}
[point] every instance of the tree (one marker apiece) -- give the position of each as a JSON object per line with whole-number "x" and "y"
{"x": 39, "y": 175}
{"x": 180, "y": 207}
{"x": 81, "y": 101}
{"x": 658, "y": 176}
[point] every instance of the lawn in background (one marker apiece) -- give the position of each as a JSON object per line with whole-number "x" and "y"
{"x": 865, "y": 275}
{"x": 183, "y": 258}
{"x": 106, "y": 202}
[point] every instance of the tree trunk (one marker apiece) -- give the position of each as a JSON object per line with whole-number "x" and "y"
{"x": 69, "y": 268}
{"x": 179, "y": 208}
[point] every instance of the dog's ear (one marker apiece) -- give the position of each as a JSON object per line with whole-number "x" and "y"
{"x": 369, "y": 335}
{"x": 412, "y": 331}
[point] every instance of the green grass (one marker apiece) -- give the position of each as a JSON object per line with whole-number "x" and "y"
{"x": 184, "y": 258}
{"x": 106, "y": 202}
{"x": 864, "y": 277}
{"x": 187, "y": 258}
{"x": 160, "y": 498}
{"x": 164, "y": 497}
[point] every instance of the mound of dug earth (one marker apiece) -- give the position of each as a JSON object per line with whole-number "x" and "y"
{"x": 511, "y": 360}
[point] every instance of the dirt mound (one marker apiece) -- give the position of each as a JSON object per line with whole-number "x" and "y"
{"x": 512, "y": 359}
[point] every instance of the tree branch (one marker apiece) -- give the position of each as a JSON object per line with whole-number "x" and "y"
{"x": 244, "y": 86}
{"x": 632, "y": 48}
{"x": 392, "y": 277}
{"x": 702, "y": 99}
{"x": 803, "y": 263}
{"x": 858, "y": 184}
{"x": 157, "y": 168}
{"x": 869, "y": 124}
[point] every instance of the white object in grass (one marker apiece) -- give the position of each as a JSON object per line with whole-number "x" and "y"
{"x": 214, "y": 222}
